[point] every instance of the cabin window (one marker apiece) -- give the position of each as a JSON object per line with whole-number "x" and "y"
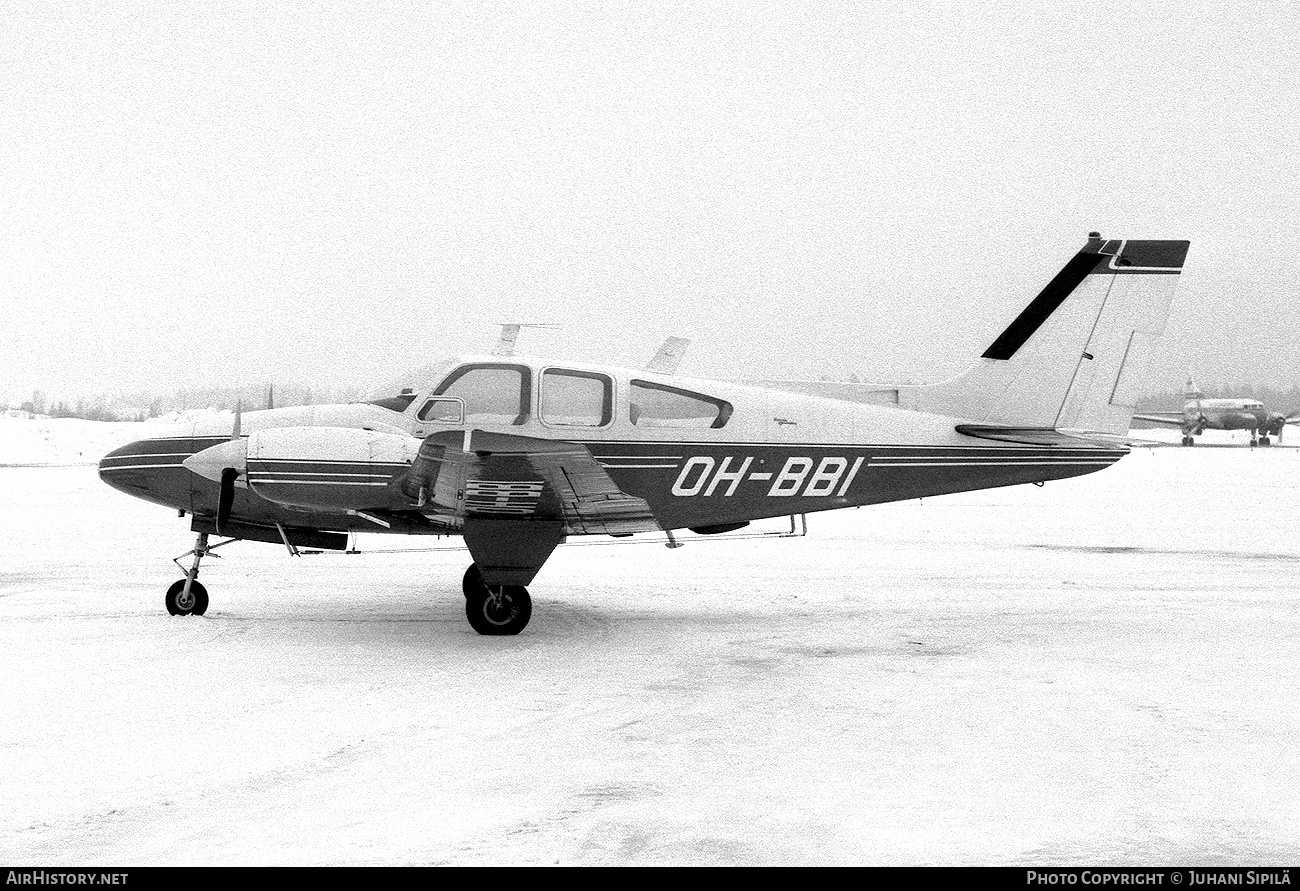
{"x": 493, "y": 394}
{"x": 576, "y": 398}
{"x": 655, "y": 405}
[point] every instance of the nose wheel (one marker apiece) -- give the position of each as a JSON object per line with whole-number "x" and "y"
{"x": 181, "y": 602}
{"x": 495, "y": 609}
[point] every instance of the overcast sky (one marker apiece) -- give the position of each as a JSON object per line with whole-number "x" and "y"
{"x": 199, "y": 194}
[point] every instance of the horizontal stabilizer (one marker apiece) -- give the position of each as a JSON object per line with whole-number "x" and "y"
{"x": 1169, "y": 419}
{"x": 1043, "y": 436}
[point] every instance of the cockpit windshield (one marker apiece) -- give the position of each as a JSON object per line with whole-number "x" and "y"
{"x": 399, "y": 403}
{"x": 398, "y": 394}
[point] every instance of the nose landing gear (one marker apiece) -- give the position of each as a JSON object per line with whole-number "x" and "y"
{"x": 187, "y": 596}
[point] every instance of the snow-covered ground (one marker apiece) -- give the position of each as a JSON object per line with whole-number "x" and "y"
{"x": 1102, "y": 670}
{"x": 66, "y": 442}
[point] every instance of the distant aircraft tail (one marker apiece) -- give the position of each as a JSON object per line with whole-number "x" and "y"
{"x": 1076, "y": 357}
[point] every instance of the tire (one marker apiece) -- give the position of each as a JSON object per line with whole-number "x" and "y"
{"x": 472, "y": 583}
{"x": 508, "y": 616}
{"x": 197, "y": 592}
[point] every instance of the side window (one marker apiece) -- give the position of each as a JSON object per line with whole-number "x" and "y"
{"x": 493, "y": 394}
{"x": 576, "y": 398}
{"x": 654, "y": 405}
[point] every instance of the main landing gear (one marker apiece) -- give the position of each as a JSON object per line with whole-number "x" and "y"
{"x": 1187, "y": 440}
{"x": 495, "y": 609}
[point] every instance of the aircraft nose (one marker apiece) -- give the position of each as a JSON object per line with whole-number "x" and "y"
{"x": 124, "y": 468}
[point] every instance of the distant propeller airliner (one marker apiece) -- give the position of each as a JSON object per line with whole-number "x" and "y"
{"x": 1200, "y": 414}
{"x": 515, "y": 454}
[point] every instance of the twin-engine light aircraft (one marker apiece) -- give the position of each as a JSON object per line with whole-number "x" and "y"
{"x": 515, "y": 454}
{"x": 1200, "y": 414}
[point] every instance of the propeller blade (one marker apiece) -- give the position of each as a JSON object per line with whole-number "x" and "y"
{"x": 239, "y": 411}
{"x": 225, "y": 498}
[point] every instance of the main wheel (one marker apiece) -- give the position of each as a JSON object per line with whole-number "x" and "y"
{"x": 1264, "y": 440}
{"x": 472, "y": 583}
{"x": 194, "y": 605}
{"x": 503, "y": 609}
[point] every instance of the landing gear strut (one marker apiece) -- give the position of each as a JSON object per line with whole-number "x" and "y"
{"x": 187, "y": 597}
{"x": 495, "y": 609}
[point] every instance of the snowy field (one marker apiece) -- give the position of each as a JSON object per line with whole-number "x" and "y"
{"x": 66, "y": 442}
{"x": 1102, "y": 670}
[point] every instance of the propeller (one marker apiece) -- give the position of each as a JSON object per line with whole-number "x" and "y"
{"x": 223, "y": 464}
{"x": 225, "y": 498}
{"x": 226, "y": 492}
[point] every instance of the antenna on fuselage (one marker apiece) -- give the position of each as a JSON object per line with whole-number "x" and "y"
{"x": 505, "y": 345}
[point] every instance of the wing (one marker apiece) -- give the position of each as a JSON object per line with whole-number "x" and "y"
{"x": 515, "y": 498}
{"x": 1168, "y": 418}
{"x": 503, "y": 476}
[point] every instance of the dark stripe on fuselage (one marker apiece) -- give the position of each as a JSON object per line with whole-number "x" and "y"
{"x": 718, "y": 482}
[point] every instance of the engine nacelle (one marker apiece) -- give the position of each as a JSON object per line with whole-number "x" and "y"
{"x": 330, "y": 467}
{"x": 319, "y": 468}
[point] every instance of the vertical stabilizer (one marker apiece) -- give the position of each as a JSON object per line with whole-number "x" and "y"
{"x": 669, "y": 356}
{"x": 1075, "y": 358}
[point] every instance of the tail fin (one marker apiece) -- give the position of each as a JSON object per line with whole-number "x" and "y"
{"x": 1076, "y": 357}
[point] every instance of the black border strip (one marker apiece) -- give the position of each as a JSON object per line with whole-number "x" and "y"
{"x": 1037, "y": 312}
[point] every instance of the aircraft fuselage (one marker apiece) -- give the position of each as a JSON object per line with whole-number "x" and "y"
{"x": 777, "y": 454}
